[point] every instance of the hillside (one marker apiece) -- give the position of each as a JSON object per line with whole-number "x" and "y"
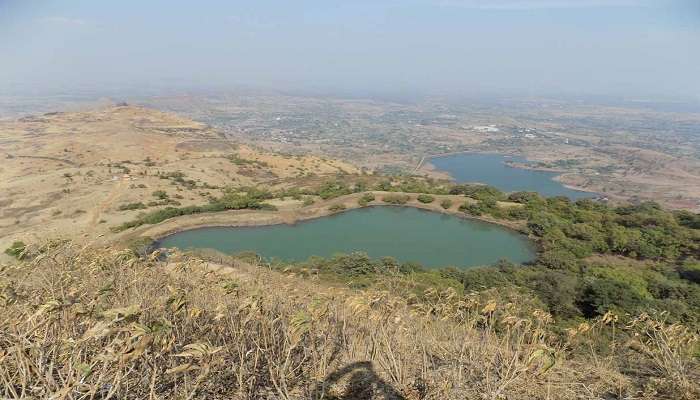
{"x": 90, "y": 323}
{"x": 610, "y": 308}
{"x": 75, "y": 174}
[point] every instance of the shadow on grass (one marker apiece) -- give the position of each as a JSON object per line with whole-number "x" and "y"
{"x": 363, "y": 383}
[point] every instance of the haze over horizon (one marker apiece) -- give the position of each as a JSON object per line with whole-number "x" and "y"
{"x": 587, "y": 47}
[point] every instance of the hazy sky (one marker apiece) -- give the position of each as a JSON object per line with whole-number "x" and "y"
{"x": 635, "y": 47}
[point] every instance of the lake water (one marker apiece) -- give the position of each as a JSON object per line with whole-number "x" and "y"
{"x": 407, "y": 234}
{"x": 491, "y": 169}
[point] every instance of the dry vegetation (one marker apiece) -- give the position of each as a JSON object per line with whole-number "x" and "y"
{"x": 97, "y": 322}
{"x": 81, "y": 323}
{"x": 75, "y": 174}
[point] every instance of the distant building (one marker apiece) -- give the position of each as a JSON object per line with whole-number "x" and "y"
{"x": 486, "y": 128}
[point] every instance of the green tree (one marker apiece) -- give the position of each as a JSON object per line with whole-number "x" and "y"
{"x": 560, "y": 259}
{"x": 690, "y": 271}
{"x": 366, "y": 199}
{"x": 603, "y": 295}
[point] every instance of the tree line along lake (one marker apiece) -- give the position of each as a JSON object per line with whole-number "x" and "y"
{"x": 407, "y": 234}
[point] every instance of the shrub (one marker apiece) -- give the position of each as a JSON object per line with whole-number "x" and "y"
{"x": 353, "y": 264}
{"x": 365, "y": 199}
{"x": 16, "y": 250}
{"x": 447, "y": 203}
{"x": 244, "y": 198}
{"x": 396, "y": 198}
{"x": 132, "y": 206}
{"x": 266, "y": 207}
{"x": 542, "y": 223}
{"x": 474, "y": 209}
{"x": 425, "y": 198}
{"x": 558, "y": 259}
{"x": 308, "y": 201}
{"x": 526, "y": 198}
{"x": 140, "y": 246}
{"x": 516, "y": 213}
{"x": 336, "y": 207}
{"x": 690, "y": 272}
{"x": 557, "y": 289}
{"x": 236, "y": 159}
{"x": 479, "y": 192}
{"x": 160, "y": 194}
{"x": 603, "y": 295}
{"x": 688, "y": 219}
{"x": 333, "y": 189}
{"x": 251, "y": 199}
{"x": 166, "y": 202}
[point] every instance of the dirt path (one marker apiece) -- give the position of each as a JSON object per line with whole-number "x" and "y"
{"x": 105, "y": 204}
{"x": 420, "y": 164}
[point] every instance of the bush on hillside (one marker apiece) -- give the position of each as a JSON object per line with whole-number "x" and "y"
{"x": 17, "y": 250}
{"x": 160, "y": 194}
{"x": 243, "y": 198}
{"x": 181, "y": 330}
{"x": 691, "y": 272}
{"x": 366, "y": 199}
{"x": 132, "y": 206}
{"x": 333, "y": 189}
{"x": 396, "y": 199}
{"x": 446, "y": 203}
{"x": 336, "y": 208}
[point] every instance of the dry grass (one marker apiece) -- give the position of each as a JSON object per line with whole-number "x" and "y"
{"x": 82, "y": 323}
{"x": 96, "y": 161}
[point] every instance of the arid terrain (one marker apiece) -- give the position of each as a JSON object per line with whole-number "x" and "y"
{"x": 627, "y": 151}
{"x": 75, "y": 174}
{"x": 606, "y": 310}
{"x": 350, "y": 200}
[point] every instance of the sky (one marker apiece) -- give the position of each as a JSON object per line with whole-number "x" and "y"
{"x": 587, "y": 47}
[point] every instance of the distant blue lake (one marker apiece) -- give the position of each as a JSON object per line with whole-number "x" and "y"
{"x": 491, "y": 169}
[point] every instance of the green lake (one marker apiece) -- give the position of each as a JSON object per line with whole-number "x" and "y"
{"x": 407, "y": 234}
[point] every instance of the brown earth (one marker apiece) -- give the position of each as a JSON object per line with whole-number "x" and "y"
{"x": 67, "y": 174}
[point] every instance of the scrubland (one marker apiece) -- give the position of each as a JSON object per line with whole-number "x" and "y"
{"x": 81, "y": 322}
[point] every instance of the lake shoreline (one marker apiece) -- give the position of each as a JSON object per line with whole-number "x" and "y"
{"x": 254, "y": 218}
{"x": 336, "y": 233}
